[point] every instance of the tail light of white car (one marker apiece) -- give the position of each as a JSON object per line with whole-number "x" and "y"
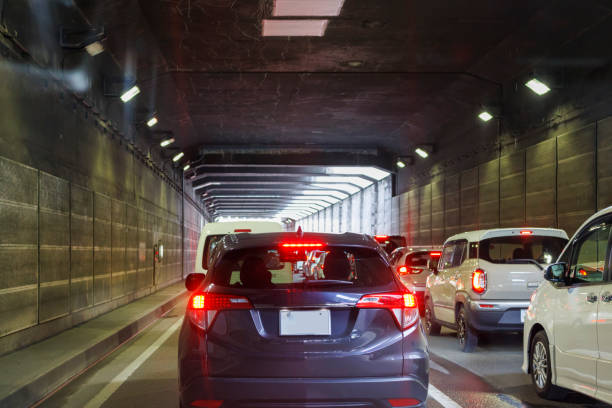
{"x": 403, "y": 306}
{"x": 479, "y": 281}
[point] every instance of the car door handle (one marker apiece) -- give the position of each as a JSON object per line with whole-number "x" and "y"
{"x": 606, "y": 297}
{"x": 591, "y": 298}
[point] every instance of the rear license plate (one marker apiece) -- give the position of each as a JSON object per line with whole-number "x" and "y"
{"x": 523, "y": 312}
{"x": 305, "y": 322}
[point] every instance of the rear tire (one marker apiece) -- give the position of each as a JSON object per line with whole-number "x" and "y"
{"x": 468, "y": 339}
{"x": 539, "y": 365}
{"x": 431, "y": 327}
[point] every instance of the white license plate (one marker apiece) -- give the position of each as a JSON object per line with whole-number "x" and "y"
{"x": 305, "y": 322}
{"x": 523, "y": 312}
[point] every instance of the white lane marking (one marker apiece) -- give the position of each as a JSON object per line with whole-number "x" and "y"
{"x": 442, "y": 398}
{"x": 435, "y": 366}
{"x": 120, "y": 378}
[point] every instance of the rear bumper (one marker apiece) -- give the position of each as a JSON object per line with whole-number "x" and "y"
{"x": 503, "y": 316}
{"x": 304, "y": 392}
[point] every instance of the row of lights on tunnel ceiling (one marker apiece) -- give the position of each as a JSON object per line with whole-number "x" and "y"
{"x": 538, "y": 87}
{"x": 278, "y": 26}
{"x": 151, "y": 122}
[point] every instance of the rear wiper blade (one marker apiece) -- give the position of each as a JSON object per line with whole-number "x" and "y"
{"x": 326, "y": 282}
{"x": 520, "y": 261}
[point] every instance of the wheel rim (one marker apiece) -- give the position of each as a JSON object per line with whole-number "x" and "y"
{"x": 461, "y": 330}
{"x": 539, "y": 364}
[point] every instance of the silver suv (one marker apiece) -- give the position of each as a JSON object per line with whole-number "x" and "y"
{"x": 484, "y": 280}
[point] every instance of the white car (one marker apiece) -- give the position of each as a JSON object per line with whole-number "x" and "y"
{"x": 213, "y": 232}
{"x": 484, "y": 280}
{"x": 412, "y": 266}
{"x": 568, "y": 328}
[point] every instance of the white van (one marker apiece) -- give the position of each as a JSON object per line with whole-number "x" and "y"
{"x": 214, "y": 231}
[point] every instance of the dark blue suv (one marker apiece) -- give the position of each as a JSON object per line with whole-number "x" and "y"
{"x": 259, "y": 334}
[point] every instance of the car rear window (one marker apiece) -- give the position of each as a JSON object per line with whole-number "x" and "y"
{"x": 262, "y": 268}
{"x": 417, "y": 259}
{"x": 542, "y": 249}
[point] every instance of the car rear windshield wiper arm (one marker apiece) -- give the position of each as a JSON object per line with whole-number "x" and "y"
{"x": 520, "y": 260}
{"x": 326, "y": 282}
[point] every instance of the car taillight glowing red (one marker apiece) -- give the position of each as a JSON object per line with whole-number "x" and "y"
{"x": 403, "y": 306}
{"x": 435, "y": 254}
{"x": 203, "y": 307}
{"x": 526, "y": 232}
{"x": 479, "y": 281}
{"x": 242, "y": 230}
{"x": 381, "y": 238}
{"x": 402, "y": 270}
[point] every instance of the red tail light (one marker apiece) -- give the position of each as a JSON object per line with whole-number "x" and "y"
{"x": 203, "y": 307}
{"x": 381, "y": 238}
{"x": 404, "y": 402}
{"x": 242, "y": 230}
{"x": 403, "y": 306}
{"x": 206, "y": 403}
{"x": 479, "y": 281}
{"x": 435, "y": 254}
{"x": 404, "y": 270}
{"x": 526, "y": 232}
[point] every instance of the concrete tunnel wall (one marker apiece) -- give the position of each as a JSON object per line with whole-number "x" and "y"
{"x": 79, "y": 214}
{"x": 555, "y": 180}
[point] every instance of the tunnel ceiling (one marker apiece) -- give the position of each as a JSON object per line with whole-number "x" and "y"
{"x": 385, "y": 77}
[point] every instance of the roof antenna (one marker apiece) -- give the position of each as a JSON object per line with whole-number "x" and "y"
{"x": 300, "y": 233}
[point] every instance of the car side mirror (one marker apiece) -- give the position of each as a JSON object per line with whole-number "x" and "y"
{"x": 432, "y": 264}
{"x": 555, "y": 273}
{"x": 194, "y": 281}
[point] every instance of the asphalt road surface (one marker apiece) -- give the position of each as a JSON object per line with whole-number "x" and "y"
{"x": 143, "y": 372}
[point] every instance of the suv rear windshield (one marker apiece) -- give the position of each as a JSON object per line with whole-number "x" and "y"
{"x": 542, "y": 249}
{"x": 262, "y": 268}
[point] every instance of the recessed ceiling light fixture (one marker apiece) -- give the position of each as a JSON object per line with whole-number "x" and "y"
{"x": 94, "y": 48}
{"x": 166, "y": 142}
{"x": 152, "y": 122}
{"x": 307, "y": 8}
{"x": 421, "y": 152}
{"x": 186, "y": 167}
{"x": 178, "y": 157}
{"x": 537, "y": 86}
{"x": 130, "y": 93}
{"x": 294, "y": 28}
{"x": 485, "y": 116}
{"x": 399, "y": 163}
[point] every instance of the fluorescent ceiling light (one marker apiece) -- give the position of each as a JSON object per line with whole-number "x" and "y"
{"x": 130, "y": 93}
{"x": 400, "y": 164}
{"x": 307, "y": 8}
{"x": 94, "y": 48}
{"x": 421, "y": 152}
{"x": 361, "y": 182}
{"x": 166, "y": 142}
{"x": 343, "y": 187}
{"x": 538, "y": 87}
{"x": 186, "y": 167}
{"x": 336, "y": 194}
{"x": 294, "y": 28}
{"x": 178, "y": 157}
{"x": 371, "y": 172}
{"x": 485, "y": 116}
{"x": 152, "y": 122}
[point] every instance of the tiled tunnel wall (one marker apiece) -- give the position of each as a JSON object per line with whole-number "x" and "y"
{"x": 65, "y": 248}
{"x": 558, "y": 182}
{"x": 368, "y": 211}
{"x": 80, "y": 210}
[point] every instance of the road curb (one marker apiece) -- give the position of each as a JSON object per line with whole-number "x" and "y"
{"x": 46, "y": 383}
